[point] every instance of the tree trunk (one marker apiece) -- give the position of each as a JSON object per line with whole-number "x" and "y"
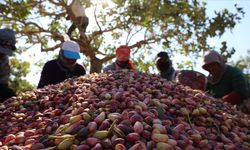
{"x": 95, "y": 65}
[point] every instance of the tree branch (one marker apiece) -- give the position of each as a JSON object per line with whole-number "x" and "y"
{"x": 135, "y": 34}
{"x": 107, "y": 58}
{"x": 129, "y": 32}
{"x": 50, "y": 48}
{"x": 58, "y": 3}
{"x": 144, "y": 42}
{"x": 100, "y": 29}
{"x": 136, "y": 45}
{"x": 97, "y": 33}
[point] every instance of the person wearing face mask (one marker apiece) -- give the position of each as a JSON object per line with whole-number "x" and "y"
{"x": 7, "y": 46}
{"x": 226, "y": 82}
{"x": 122, "y": 60}
{"x": 164, "y": 66}
{"x": 191, "y": 78}
{"x": 64, "y": 67}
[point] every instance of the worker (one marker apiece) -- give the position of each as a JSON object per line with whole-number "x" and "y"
{"x": 7, "y": 46}
{"x": 64, "y": 67}
{"x": 122, "y": 60}
{"x": 224, "y": 81}
{"x": 78, "y": 16}
{"x": 164, "y": 65}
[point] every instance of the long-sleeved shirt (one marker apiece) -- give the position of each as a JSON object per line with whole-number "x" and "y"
{"x": 5, "y": 91}
{"x": 54, "y": 73}
{"x": 4, "y": 70}
{"x": 169, "y": 75}
{"x": 114, "y": 67}
{"x": 231, "y": 82}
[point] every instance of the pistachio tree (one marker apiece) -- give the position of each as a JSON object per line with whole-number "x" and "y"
{"x": 176, "y": 26}
{"x": 243, "y": 64}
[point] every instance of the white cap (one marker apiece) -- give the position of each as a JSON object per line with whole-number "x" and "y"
{"x": 212, "y": 57}
{"x": 71, "y": 50}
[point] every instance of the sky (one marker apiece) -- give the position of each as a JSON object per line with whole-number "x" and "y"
{"x": 237, "y": 38}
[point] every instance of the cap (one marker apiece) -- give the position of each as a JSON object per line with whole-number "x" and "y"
{"x": 71, "y": 50}
{"x": 212, "y": 57}
{"x": 123, "y": 53}
{"x": 7, "y": 36}
{"x": 163, "y": 55}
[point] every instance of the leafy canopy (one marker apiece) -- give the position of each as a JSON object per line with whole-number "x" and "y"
{"x": 176, "y": 26}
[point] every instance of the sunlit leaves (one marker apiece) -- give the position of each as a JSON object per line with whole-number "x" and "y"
{"x": 18, "y": 71}
{"x": 227, "y": 53}
{"x": 188, "y": 65}
{"x": 177, "y": 25}
{"x": 141, "y": 63}
{"x": 54, "y": 26}
{"x": 243, "y": 64}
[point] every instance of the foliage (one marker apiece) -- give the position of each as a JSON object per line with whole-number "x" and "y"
{"x": 185, "y": 65}
{"x": 19, "y": 70}
{"x": 179, "y": 27}
{"x": 243, "y": 64}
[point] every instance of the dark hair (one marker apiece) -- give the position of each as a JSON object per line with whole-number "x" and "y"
{"x": 163, "y": 55}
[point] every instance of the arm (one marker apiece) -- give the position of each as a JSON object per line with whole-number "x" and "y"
{"x": 233, "y": 98}
{"x": 109, "y": 67}
{"x": 45, "y": 76}
{"x": 4, "y": 70}
{"x": 81, "y": 70}
{"x": 240, "y": 88}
